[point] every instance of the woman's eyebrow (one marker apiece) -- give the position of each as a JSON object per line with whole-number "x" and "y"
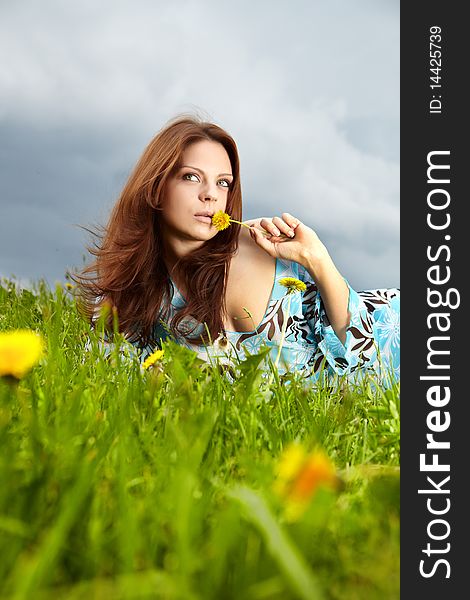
{"x": 201, "y": 171}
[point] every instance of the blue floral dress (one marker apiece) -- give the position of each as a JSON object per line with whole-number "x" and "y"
{"x": 310, "y": 345}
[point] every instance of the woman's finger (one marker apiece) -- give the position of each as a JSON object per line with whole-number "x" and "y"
{"x": 290, "y": 220}
{"x": 284, "y": 227}
{"x": 262, "y": 241}
{"x": 270, "y": 227}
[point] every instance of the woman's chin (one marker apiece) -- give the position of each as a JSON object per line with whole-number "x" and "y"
{"x": 204, "y": 229}
{"x": 203, "y": 233}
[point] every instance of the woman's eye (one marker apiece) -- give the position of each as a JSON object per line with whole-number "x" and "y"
{"x": 190, "y": 175}
{"x": 187, "y": 177}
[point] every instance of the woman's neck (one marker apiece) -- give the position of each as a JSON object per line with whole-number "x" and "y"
{"x": 175, "y": 251}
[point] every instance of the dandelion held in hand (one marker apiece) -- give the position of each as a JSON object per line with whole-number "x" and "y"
{"x": 20, "y": 350}
{"x": 221, "y": 220}
{"x": 152, "y": 359}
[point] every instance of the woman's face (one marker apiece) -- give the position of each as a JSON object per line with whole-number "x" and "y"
{"x": 195, "y": 192}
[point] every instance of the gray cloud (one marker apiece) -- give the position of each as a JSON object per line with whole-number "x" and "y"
{"x": 309, "y": 90}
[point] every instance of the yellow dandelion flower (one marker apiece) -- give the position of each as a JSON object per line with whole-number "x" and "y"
{"x": 291, "y": 460}
{"x": 293, "y": 285}
{"x": 300, "y": 475}
{"x": 317, "y": 471}
{"x": 152, "y": 359}
{"x": 20, "y": 350}
{"x": 221, "y": 220}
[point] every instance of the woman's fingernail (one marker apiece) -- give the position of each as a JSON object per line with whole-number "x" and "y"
{"x": 277, "y": 232}
{"x": 291, "y": 234}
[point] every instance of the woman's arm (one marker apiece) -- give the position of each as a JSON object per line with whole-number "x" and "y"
{"x": 303, "y": 246}
{"x": 334, "y": 292}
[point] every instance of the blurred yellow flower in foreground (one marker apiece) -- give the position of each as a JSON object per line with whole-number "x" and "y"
{"x": 20, "y": 350}
{"x": 299, "y": 475}
{"x": 152, "y": 359}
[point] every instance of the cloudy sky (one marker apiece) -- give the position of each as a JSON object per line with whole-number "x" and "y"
{"x": 309, "y": 89}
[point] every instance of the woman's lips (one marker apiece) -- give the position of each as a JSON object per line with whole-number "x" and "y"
{"x": 203, "y": 219}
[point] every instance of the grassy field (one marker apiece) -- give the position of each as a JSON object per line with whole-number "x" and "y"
{"x": 177, "y": 483}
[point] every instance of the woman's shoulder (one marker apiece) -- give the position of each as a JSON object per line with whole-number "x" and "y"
{"x": 251, "y": 258}
{"x": 250, "y": 255}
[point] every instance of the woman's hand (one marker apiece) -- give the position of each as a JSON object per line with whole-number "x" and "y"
{"x": 305, "y": 248}
{"x": 289, "y": 239}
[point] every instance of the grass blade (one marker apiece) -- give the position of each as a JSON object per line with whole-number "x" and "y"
{"x": 290, "y": 561}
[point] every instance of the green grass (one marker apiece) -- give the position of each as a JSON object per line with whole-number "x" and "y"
{"x": 118, "y": 483}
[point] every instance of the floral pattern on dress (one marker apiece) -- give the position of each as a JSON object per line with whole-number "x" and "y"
{"x": 311, "y": 346}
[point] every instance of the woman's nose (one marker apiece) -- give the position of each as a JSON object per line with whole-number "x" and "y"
{"x": 208, "y": 194}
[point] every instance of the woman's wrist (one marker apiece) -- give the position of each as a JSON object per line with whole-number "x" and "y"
{"x": 316, "y": 262}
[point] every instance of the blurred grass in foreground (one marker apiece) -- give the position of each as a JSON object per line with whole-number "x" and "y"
{"x": 118, "y": 483}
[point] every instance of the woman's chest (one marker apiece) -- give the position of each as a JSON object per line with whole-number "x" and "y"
{"x": 248, "y": 293}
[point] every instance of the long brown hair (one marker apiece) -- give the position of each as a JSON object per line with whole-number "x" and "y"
{"x": 129, "y": 272}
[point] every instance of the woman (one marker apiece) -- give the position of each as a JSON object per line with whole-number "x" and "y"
{"x": 171, "y": 273}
